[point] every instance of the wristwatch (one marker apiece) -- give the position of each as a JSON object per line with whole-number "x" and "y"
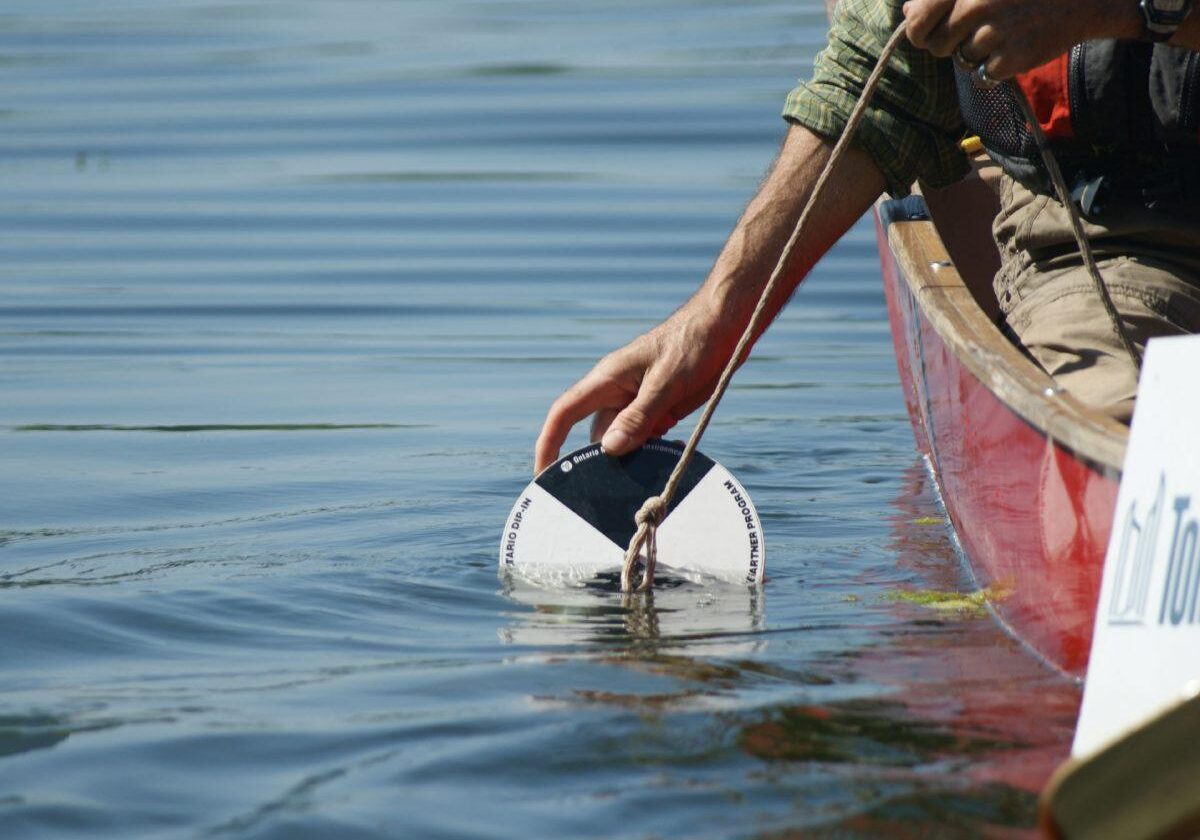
{"x": 1163, "y": 17}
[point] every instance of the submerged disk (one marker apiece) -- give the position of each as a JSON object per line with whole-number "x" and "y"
{"x": 577, "y": 516}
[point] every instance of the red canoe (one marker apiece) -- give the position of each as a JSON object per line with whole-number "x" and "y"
{"x": 1027, "y": 474}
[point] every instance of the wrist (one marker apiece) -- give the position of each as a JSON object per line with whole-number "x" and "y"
{"x": 699, "y": 325}
{"x": 712, "y": 313}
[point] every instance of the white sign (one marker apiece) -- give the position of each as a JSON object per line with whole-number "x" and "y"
{"x": 1146, "y": 647}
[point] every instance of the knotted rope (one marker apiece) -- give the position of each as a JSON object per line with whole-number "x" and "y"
{"x": 654, "y": 510}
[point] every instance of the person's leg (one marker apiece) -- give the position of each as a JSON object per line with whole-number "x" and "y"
{"x": 1150, "y": 262}
{"x": 1061, "y": 321}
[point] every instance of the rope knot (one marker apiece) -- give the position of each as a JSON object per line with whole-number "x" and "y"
{"x": 651, "y": 512}
{"x": 649, "y": 516}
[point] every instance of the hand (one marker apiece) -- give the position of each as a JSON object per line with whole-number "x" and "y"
{"x": 647, "y": 386}
{"x": 1013, "y": 36}
{"x": 644, "y": 388}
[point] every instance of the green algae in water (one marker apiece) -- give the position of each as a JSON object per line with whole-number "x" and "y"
{"x": 967, "y": 603}
{"x": 928, "y": 520}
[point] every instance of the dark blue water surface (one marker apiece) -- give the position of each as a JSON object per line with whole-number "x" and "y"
{"x": 285, "y": 289}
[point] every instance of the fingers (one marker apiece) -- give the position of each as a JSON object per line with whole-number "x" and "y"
{"x": 589, "y": 394}
{"x": 619, "y": 430}
{"x": 601, "y": 420}
{"x": 632, "y": 392}
{"x": 978, "y": 46}
{"x": 983, "y": 48}
{"x": 639, "y": 420}
{"x": 1000, "y": 68}
{"x": 945, "y": 26}
{"x": 997, "y": 39}
{"x": 923, "y": 16}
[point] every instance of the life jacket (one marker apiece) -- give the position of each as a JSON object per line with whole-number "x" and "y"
{"x": 1125, "y": 110}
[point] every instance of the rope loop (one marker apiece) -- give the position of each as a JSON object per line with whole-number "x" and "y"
{"x": 648, "y": 517}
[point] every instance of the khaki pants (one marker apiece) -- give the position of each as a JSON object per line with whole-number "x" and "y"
{"x": 1150, "y": 262}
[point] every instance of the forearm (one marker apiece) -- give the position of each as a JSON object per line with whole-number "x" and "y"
{"x": 745, "y": 264}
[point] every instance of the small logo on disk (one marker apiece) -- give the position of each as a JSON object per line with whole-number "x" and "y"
{"x": 566, "y": 465}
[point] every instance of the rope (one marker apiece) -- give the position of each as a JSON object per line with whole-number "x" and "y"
{"x": 1085, "y": 248}
{"x": 654, "y": 509}
{"x": 652, "y": 512}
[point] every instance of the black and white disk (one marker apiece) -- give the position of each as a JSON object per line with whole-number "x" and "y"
{"x": 576, "y": 517}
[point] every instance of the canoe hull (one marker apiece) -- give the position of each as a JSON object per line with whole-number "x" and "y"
{"x": 1032, "y": 516}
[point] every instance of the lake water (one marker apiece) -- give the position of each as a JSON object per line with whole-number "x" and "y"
{"x": 286, "y": 290}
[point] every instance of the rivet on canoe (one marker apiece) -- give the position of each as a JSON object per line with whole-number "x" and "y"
{"x": 938, "y": 264}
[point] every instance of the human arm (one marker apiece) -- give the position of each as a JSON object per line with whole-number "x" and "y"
{"x": 648, "y": 385}
{"x": 1012, "y": 36}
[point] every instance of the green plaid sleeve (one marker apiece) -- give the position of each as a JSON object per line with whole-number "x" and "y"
{"x": 912, "y": 127}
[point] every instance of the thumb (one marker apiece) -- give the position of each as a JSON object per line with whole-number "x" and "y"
{"x": 636, "y": 422}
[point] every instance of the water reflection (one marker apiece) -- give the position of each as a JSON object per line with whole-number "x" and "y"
{"x": 684, "y": 616}
{"x": 935, "y": 719}
{"x": 966, "y": 727}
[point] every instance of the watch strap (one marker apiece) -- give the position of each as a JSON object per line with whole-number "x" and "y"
{"x": 1160, "y": 23}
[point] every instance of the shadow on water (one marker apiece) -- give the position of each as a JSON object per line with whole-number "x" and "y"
{"x": 993, "y": 811}
{"x": 872, "y": 732}
{"x": 905, "y": 788}
{"x": 26, "y": 733}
